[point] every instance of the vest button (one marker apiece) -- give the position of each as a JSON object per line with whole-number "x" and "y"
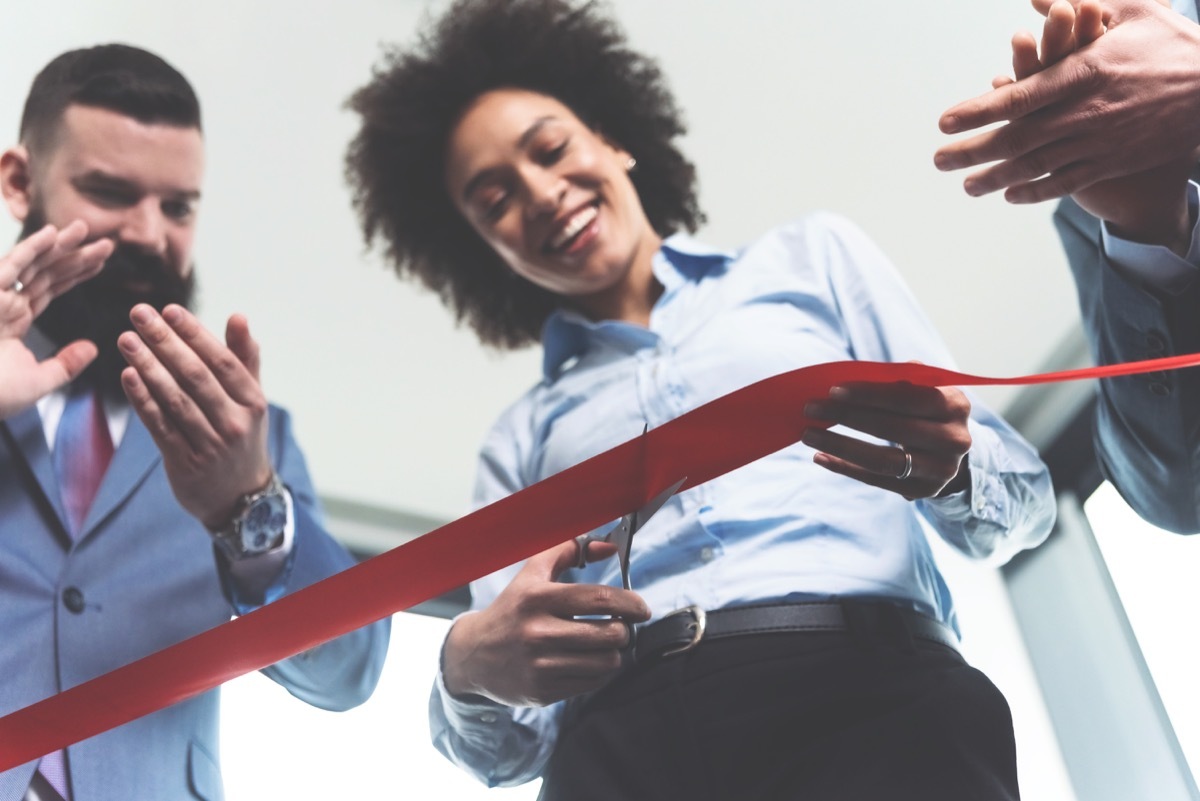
{"x": 73, "y": 599}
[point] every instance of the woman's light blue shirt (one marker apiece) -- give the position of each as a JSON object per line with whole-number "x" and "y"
{"x": 810, "y": 292}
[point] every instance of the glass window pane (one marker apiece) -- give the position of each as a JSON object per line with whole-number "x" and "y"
{"x": 1156, "y": 576}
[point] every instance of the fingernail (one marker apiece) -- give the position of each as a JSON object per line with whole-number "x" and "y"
{"x": 972, "y": 188}
{"x": 950, "y": 124}
{"x": 129, "y": 343}
{"x": 172, "y": 314}
{"x": 814, "y": 409}
{"x": 839, "y": 393}
{"x": 141, "y": 315}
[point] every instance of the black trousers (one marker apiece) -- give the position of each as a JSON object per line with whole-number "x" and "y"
{"x": 827, "y": 716}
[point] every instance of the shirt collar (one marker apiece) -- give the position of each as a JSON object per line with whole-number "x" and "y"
{"x": 681, "y": 260}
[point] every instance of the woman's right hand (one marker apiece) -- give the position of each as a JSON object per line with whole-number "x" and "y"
{"x": 529, "y": 647}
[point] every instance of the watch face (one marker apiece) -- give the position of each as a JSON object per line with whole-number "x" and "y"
{"x": 263, "y": 523}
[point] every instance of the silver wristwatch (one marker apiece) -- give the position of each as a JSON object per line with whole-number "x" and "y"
{"x": 258, "y": 523}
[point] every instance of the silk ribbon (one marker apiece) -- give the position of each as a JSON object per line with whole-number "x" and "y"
{"x": 707, "y": 442}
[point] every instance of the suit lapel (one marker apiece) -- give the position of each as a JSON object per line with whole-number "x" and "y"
{"x": 133, "y": 460}
{"x": 29, "y": 439}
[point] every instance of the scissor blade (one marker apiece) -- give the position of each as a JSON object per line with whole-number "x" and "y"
{"x": 622, "y": 535}
{"x": 654, "y": 504}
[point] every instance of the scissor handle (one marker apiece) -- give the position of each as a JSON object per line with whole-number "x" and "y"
{"x": 581, "y": 545}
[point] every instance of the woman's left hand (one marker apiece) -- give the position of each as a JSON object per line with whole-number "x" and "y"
{"x": 927, "y": 424}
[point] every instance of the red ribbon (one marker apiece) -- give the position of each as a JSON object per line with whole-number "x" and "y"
{"x": 705, "y": 443}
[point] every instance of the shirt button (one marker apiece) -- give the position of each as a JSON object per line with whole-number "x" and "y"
{"x": 1160, "y": 389}
{"x": 73, "y": 599}
{"x": 487, "y": 717}
{"x": 707, "y": 554}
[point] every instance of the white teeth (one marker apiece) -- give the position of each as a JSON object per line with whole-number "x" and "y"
{"x": 574, "y": 225}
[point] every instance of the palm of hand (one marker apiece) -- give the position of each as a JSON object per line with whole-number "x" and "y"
{"x": 16, "y": 362}
{"x": 15, "y": 316}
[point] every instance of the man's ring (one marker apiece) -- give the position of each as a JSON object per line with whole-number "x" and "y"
{"x": 907, "y": 471}
{"x": 17, "y": 286}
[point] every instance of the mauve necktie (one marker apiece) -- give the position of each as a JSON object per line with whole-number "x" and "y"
{"x": 82, "y": 451}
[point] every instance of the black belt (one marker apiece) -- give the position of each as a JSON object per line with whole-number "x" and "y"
{"x": 686, "y": 628}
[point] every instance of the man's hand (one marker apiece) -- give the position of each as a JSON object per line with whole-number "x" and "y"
{"x": 202, "y": 403}
{"x": 928, "y": 423}
{"x": 528, "y": 649}
{"x": 42, "y": 266}
{"x": 1123, "y": 104}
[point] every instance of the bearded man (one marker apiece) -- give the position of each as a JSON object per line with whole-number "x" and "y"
{"x": 148, "y": 491}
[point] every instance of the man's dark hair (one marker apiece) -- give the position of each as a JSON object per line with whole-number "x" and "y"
{"x": 116, "y": 77}
{"x": 568, "y": 50}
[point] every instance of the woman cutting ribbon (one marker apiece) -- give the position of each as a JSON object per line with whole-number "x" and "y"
{"x": 521, "y": 161}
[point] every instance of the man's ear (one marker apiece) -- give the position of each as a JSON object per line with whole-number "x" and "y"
{"x": 15, "y": 181}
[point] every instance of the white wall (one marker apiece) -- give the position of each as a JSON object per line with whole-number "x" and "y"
{"x": 793, "y": 106}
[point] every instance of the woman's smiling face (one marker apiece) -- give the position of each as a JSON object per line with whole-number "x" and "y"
{"x": 552, "y": 197}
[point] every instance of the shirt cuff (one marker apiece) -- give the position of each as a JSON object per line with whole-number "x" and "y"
{"x": 1155, "y": 266}
{"x": 473, "y": 713}
{"x": 986, "y": 499}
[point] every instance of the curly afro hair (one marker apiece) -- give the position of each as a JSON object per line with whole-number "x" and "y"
{"x": 395, "y": 165}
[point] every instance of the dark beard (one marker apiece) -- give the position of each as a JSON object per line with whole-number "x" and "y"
{"x": 98, "y": 309}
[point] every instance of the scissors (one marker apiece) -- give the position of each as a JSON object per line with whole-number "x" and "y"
{"x": 621, "y": 534}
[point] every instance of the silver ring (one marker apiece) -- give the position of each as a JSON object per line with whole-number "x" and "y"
{"x": 17, "y": 286}
{"x": 907, "y": 471}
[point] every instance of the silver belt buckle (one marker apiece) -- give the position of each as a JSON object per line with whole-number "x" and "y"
{"x": 698, "y": 625}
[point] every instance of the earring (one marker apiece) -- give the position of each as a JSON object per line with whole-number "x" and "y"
{"x": 629, "y": 165}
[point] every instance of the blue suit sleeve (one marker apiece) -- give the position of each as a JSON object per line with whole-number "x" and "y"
{"x": 343, "y": 672}
{"x": 1147, "y": 426}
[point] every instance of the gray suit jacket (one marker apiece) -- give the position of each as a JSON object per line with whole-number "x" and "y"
{"x": 1147, "y": 426}
{"x": 142, "y": 575}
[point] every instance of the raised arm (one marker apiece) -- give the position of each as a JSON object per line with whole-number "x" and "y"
{"x": 1137, "y": 300}
{"x": 1124, "y": 103}
{"x": 38, "y": 269}
{"x": 201, "y": 401}
{"x": 978, "y": 483}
